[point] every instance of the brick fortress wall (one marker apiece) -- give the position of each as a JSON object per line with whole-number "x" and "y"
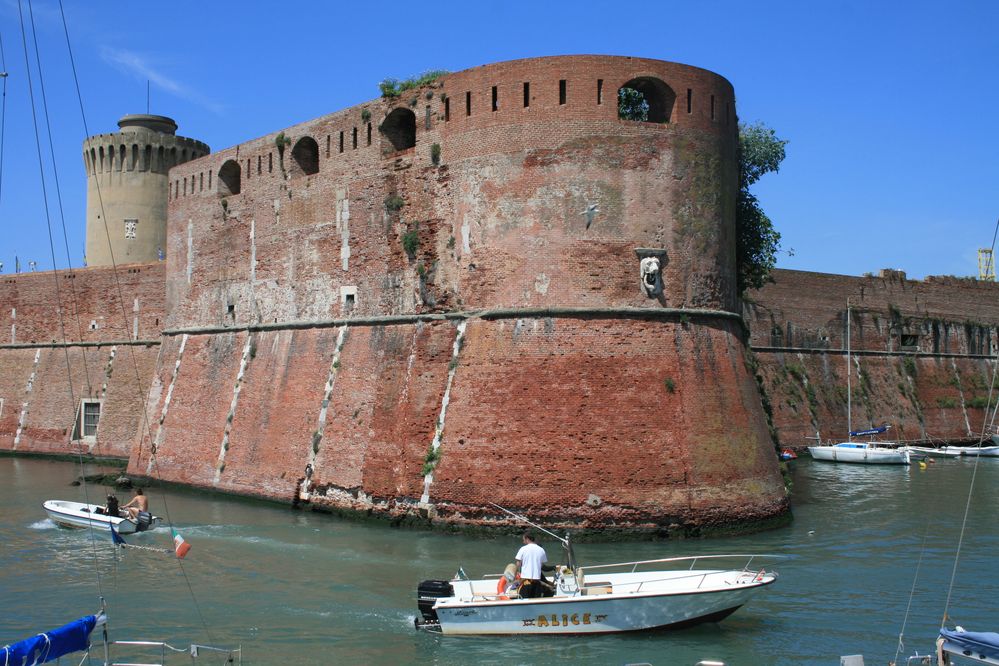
{"x": 110, "y": 355}
{"x": 923, "y": 353}
{"x": 420, "y": 305}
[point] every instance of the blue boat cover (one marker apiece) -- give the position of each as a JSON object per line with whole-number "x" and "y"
{"x": 985, "y": 643}
{"x": 49, "y": 646}
{"x": 871, "y": 431}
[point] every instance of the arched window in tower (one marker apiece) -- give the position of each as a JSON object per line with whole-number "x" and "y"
{"x": 399, "y": 128}
{"x": 229, "y": 178}
{"x": 305, "y": 157}
{"x": 646, "y": 99}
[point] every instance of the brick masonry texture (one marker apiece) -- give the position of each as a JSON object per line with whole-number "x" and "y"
{"x": 272, "y": 377}
{"x": 35, "y": 369}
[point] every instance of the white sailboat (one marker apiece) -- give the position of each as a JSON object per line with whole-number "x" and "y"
{"x": 870, "y": 452}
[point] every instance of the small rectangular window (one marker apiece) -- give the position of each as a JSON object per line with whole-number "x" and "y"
{"x": 88, "y": 419}
{"x": 712, "y": 107}
{"x": 527, "y": 94}
{"x": 201, "y": 181}
{"x": 259, "y": 163}
{"x": 561, "y": 91}
{"x": 600, "y": 91}
{"x": 355, "y": 139}
{"x": 447, "y": 109}
{"x": 426, "y": 119}
{"x": 270, "y": 162}
{"x": 690, "y": 94}
{"x": 468, "y": 103}
{"x": 341, "y": 142}
{"x": 495, "y": 98}
{"x": 209, "y": 181}
{"x": 369, "y": 134}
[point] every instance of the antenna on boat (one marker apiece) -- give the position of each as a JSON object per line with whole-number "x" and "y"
{"x": 564, "y": 541}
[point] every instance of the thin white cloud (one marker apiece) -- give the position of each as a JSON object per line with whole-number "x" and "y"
{"x": 136, "y": 65}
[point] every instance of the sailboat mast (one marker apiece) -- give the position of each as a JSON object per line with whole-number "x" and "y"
{"x": 849, "y": 371}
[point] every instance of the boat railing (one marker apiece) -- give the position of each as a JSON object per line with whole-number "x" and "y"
{"x": 232, "y": 655}
{"x": 693, "y": 560}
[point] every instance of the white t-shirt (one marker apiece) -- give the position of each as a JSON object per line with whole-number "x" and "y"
{"x": 531, "y": 557}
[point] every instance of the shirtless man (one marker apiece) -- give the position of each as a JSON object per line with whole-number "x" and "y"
{"x": 138, "y": 503}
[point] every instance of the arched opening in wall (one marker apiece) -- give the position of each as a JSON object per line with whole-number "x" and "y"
{"x": 645, "y": 99}
{"x": 229, "y": 179}
{"x": 305, "y": 157}
{"x": 399, "y": 128}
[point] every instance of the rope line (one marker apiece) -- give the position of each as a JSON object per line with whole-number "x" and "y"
{"x": 146, "y": 430}
{"x": 987, "y": 424}
{"x": 55, "y": 275}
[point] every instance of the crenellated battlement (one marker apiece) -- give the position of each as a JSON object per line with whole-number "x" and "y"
{"x": 127, "y": 187}
{"x": 145, "y": 143}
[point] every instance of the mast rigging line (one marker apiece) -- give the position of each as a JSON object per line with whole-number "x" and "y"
{"x": 146, "y": 430}
{"x": 55, "y": 275}
{"x": 58, "y": 191}
{"x": 987, "y": 423}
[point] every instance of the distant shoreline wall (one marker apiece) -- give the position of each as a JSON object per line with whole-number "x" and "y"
{"x": 923, "y": 354}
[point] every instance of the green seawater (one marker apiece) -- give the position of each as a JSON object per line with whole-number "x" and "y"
{"x": 295, "y": 587}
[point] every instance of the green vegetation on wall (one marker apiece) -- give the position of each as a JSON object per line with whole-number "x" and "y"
{"x": 394, "y": 87}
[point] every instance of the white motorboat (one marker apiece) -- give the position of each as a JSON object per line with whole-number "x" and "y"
{"x": 923, "y": 451}
{"x": 597, "y": 599}
{"x": 985, "y": 451}
{"x": 78, "y": 514}
{"x": 861, "y": 452}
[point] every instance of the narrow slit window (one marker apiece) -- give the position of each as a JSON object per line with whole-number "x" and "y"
{"x": 690, "y": 97}
{"x": 495, "y": 98}
{"x": 327, "y": 145}
{"x": 561, "y": 91}
{"x": 468, "y": 103}
{"x": 270, "y": 162}
{"x": 354, "y": 140}
{"x": 369, "y": 134}
{"x": 260, "y": 170}
{"x": 712, "y": 107}
{"x": 341, "y": 142}
{"x": 600, "y": 91}
{"x": 527, "y": 94}
{"x": 447, "y": 109}
{"x": 426, "y": 119}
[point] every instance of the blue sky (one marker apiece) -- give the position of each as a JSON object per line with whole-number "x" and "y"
{"x": 889, "y": 106}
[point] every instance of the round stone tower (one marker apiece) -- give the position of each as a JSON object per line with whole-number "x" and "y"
{"x": 127, "y": 188}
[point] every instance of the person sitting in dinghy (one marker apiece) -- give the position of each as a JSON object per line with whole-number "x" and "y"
{"x": 136, "y": 505}
{"x": 111, "y": 508}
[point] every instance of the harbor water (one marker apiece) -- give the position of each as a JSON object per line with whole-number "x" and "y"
{"x": 870, "y": 548}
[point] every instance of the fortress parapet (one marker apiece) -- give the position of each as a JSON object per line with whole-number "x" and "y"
{"x": 127, "y": 188}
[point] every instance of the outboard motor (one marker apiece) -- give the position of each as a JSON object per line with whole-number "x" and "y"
{"x": 427, "y": 594}
{"x": 143, "y": 521}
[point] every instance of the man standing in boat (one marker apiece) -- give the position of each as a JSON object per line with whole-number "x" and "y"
{"x": 529, "y": 560}
{"x": 137, "y": 505}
